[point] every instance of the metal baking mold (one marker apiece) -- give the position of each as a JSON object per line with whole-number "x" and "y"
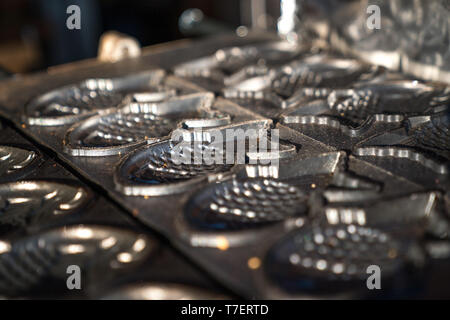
{"x": 237, "y": 204}
{"x": 151, "y": 171}
{"x": 28, "y": 261}
{"x": 256, "y": 88}
{"x": 118, "y": 131}
{"x": 228, "y": 60}
{"x": 25, "y": 204}
{"x": 431, "y": 132}
{"x": 329, "y": 260}
{"x": 402, "y": 161}
{"x": 160, "y": 213}
{"x": 279, "y": 86}
{"x": 413, "y": 212}
{"x": 393, "y": 97}
{"x": 318, "y": 71}
{"x": 291, "y": 84}
{"x": 16, "y": 162}
{"x": 332, "y": 132}
{"x": 363, "y": 100}
{"x": 400, "y": 44}
{"x": 259, "y": 195}
{"x": 74, "y": 102}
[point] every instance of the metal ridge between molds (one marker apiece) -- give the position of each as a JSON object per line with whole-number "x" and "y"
{"x": 402, "y": 153}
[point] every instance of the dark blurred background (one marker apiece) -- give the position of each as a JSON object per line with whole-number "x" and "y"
{"x": 33, "y": 33}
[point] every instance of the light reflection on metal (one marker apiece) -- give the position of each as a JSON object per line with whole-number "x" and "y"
{"x": 47, "y": 254}
{"x": 161, "y": 291}
{"x": 288, "y": 21}
{"x": 26, "y": 203}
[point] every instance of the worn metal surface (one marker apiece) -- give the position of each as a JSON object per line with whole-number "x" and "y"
{"x": 50, "y": 219}
{"x": 413, "y": 36}
{"x": 346, "y": 194}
